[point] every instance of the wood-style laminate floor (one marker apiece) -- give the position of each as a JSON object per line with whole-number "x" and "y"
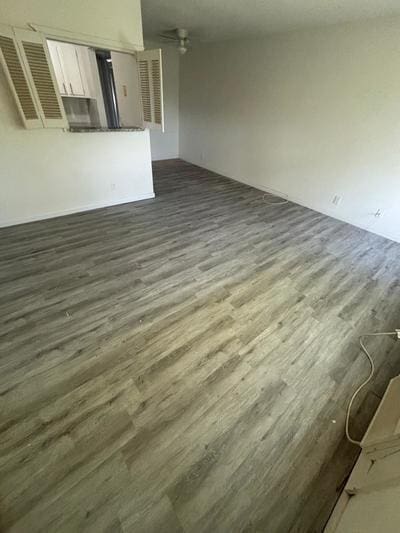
{"x": 183, "y": 364}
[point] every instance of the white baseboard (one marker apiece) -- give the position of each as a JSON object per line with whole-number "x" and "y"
{"x": 166, "y": 158}
{"x": 328, "y": 212}
{"x": 78, "y": 209}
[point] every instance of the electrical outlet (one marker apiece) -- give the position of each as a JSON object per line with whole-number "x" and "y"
{"x": 337, "y": 200}
{"x": 113, "y": 186}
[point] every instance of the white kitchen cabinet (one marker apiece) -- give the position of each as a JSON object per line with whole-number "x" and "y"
{"x": 56, "y": 61}
{"x": 71, "y": 64}
{"x": 67, "y": 61}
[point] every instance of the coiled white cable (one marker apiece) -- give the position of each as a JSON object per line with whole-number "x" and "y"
{"x": 281, "y": 200}
{"x": 370, "y": 376}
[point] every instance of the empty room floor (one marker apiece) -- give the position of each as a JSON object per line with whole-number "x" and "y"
{"x": 184, "y": 363}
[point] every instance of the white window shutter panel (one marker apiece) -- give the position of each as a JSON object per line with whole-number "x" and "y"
{"x": 151, "y": 85}
{"x": 16, "y": 75}
{"x": 35, "y": 54}
{"x": 127, "y": 89}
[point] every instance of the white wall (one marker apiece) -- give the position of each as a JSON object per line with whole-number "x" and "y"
{"x": 311, "y": 114}
{"x": 119, "y": 21}
{"x": 166, "y": 145}
{"x": 45, "y": 173}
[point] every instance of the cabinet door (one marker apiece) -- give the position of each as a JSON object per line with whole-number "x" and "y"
{"x": 72, "y": 69}
{"x": 56, "y": 61}
{"x": 85, "y": 66}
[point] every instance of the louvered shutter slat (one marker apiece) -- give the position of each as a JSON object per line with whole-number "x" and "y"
{"x": 145, "y": 88}
{"x": 16, "y": 75}
{"x": 150, "y": 73}
{"x": 34, "y": 51}
{"x": 156, "y": 75}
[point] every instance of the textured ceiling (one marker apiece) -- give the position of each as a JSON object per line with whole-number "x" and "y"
{"x": 213, "y": 20}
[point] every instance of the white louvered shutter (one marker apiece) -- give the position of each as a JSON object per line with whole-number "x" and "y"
{"x": 151, "y": 88}
{"x": 15, "y": 72}
{"x": 35, "y": 54}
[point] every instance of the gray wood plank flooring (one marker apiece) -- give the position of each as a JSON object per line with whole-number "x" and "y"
{"x": 183, "y": 364}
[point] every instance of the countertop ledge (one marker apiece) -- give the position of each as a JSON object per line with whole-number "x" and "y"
{"x": 101, "y": 130}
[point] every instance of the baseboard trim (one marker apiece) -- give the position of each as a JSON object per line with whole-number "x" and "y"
{"x": 169, "y": 158}
{"x": 72, "y": 210}
{"x": 327, "y": 212}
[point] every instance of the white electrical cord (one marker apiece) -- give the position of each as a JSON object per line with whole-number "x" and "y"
{"x": 370, "y": 376}
{"x": 281, "y": 201}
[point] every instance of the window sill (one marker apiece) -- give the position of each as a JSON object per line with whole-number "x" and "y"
{"x": 101, "y": 130}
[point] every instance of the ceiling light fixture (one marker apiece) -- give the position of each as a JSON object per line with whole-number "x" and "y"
{"x": 180, "y": 36}
{"x": 182, "y": 48}
{"x": 183, "y": 40}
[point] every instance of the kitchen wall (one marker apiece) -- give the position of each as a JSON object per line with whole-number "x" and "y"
{"x": 120, "y": 21}
{"x": 166, "y": 145}
{"x": 312, "y": 114}
{"x": 44, "y": 173}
